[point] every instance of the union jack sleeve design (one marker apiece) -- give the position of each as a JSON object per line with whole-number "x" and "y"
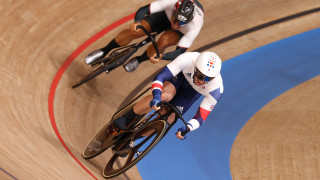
{"x": 157, "y": 85}
{"x": 198, "y": 119}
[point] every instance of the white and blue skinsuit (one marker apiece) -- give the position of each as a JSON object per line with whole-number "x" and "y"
{"x": 180, "y": 73}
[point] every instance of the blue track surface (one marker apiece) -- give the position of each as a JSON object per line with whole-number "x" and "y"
{"x": 251, "y": 81}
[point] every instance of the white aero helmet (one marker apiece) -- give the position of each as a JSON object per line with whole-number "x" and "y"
{"x": 208, "y": 66}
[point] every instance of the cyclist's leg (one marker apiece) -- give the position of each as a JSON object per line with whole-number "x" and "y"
{"x": 168, "y": 92}
{"x": 127, "y": 35}
{"x": 122, "y": 39}
{"x": 171, "y": 118}
{"x": 167, "y": 39}
{"x": 143, "y": 106}
{"x": 185, "y": 97}
{"x": 159, "y": 23}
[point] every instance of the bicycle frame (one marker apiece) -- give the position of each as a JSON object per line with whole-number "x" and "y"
{"x": 170, "y": 109}
{"x": 118, "y": 57}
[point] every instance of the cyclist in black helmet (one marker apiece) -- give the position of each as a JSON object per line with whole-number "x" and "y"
{"x": 180, "y": 21}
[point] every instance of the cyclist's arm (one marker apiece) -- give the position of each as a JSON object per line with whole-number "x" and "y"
{"x": 158, "y": 6}
{"x": 152, "y": 8}
{"x": 171, "y": 70}
{"x": 157, "y": 83}
{"x": 188, "y": 38}
{"x": 184, "y": 43}
{"x": 172, "y": 55}
{"x": 141, "y": 13}
{"x": 204, "y": 110}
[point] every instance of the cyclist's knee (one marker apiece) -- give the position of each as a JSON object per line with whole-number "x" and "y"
{"x": 166, "y": 97}
{"x": 169, "y": 91}
{"x": 168, "y": 39}
{"x": 171, "y": 119}
{"x": 136, "y": 34}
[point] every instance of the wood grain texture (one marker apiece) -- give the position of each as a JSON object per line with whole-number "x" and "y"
{"x": 36, "y": 38}
{"x": 281, "y": 141}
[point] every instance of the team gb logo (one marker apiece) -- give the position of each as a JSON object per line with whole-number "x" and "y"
{"x": 212, "y": 62}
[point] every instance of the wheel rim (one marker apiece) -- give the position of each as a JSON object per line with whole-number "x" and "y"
{"x": 117, "y": 165}
{"x": 105, "y": 138}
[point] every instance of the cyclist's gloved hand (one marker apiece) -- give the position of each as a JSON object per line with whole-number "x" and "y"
{"x": 182, "y": 133}
{"x": 156, "y": 99}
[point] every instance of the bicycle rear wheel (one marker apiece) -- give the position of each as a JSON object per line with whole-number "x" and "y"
{"x": 145, "y": 139}
{"x": 91, "y": 75}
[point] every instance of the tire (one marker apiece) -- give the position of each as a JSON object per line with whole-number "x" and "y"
{"x": 146, "y": 144}
{"x": 114, "y": 62}
{"x": 102, "y": 140}
{"x": 91, "y": 75}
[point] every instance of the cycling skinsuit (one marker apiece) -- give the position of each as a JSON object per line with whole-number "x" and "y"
{"x": 180, "y": 73}
{"x": 159, "y": 16}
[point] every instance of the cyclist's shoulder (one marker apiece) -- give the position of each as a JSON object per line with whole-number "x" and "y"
{"x": 198, "y": 5}
{"x": 184, "y": 61}
{"x": 165, "y": 1}
{"x": 188, "y": 57}
{"x": 216, "y": 86}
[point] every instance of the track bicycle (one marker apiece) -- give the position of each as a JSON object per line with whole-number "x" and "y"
{"x": 118, "y": 57}
{"x": 131, "y": 145}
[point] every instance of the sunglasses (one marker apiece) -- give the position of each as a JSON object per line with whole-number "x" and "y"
{"x": 179, "y": 22}
{"x": 202, "y": 77}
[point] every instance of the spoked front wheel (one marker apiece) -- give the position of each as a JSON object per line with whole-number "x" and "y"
{"x": 131, "y": 152}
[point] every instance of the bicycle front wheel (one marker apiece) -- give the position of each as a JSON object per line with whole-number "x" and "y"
{"x": 101, "y": 141}
{"x": 91, "y": 75}
{"x": 130, "y": 153}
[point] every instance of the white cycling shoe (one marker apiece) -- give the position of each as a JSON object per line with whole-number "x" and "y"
{"x": 131, "y": 65}
{"x": 94, "y": 56}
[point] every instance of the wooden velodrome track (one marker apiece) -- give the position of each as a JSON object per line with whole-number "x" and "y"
{"x": 36, "y": 38}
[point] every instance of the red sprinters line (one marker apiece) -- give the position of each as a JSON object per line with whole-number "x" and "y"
{"x": 63, "y": 68}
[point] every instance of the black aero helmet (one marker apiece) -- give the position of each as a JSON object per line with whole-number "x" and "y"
{"x": 183, "y": 11}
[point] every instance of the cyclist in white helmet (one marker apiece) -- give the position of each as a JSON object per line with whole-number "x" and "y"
{"x": 181, "y": 83}
{"x": 181, "y": 22}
